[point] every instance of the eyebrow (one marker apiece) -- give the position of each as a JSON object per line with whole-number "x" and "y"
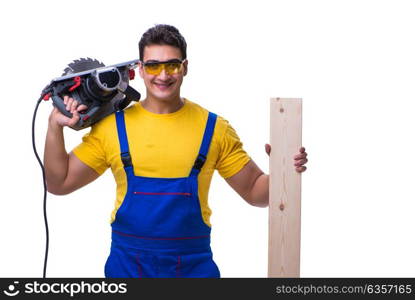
{"x": 173, "y": 60}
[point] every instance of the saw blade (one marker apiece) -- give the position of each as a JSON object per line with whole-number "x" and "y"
{"x": 82, "y": 64}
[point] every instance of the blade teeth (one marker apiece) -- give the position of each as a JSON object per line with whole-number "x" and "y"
{"x": 67, "y": 71}
{"x": 73, "y": 67}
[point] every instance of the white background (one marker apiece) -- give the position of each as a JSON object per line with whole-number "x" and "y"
{"x": 353, "y": 64}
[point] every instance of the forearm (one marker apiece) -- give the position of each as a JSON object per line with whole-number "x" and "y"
{"x": 55, "y": 157}
{"x": 259, "y": 195}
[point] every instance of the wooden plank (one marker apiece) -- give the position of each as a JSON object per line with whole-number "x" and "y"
{"x": 285, "y": 188}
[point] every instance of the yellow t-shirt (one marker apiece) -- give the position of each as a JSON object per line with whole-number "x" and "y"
{"x": 163, "y": 145}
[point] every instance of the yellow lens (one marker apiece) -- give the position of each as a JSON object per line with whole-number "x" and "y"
{"x": 172, "y": 68}
{"x": 153, "y": 69}
{"x": 156, "y": 68}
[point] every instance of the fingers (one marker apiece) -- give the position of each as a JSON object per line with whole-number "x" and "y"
{"x": 300, "y": 159}
{"x": 72, "y": 106}
{"x": 81, "y": 107}
{"x": 68, "y": 103}
{"x": 301, "y": 162}
{"x": 268, "y": 148}
{"x": 301, "y": 169}
{"x": 66, "y": 100}
{"x": 75, "y": 118}
{"x": 300, "y": 156}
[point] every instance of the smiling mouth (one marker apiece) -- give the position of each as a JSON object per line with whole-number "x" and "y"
{"x": 163, "y": 86}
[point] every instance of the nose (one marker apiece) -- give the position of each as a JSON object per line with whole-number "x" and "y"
{"x": 163, "y": 74}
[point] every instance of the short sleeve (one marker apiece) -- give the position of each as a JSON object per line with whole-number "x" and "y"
{"x": 91, "y": 151}
{"x": 232, "y": 157}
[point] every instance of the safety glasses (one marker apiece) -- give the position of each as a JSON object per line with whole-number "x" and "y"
{"x": 172, "y": 66}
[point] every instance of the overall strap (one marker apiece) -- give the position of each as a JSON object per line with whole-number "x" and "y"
{"x": 204, "y": 148}
{"x": 122, "y": 137}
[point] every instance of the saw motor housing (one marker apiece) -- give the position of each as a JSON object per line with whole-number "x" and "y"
{"x": 102, "y": 89}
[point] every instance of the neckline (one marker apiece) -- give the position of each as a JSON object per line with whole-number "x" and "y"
{"x": 144, "y": 111}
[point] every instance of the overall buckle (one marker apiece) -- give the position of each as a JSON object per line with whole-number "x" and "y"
{"x": 126, "y": 159}
{"x": 199, "y": 162}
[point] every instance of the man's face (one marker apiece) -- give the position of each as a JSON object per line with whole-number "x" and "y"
{"x": 165, "y": 87}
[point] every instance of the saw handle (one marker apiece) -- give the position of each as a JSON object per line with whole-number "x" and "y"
{"x": 83, "y": 115}
{"x": 60, "y": 105}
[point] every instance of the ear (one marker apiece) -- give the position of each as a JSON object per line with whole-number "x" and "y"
{"x": 185, "y": 67}
{"x": 140, "y": 69}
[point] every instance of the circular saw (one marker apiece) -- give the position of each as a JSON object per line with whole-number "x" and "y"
{"x": 102, "y": 89}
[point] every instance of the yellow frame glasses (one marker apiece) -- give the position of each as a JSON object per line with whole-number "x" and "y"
{"x": 172, "y": 66}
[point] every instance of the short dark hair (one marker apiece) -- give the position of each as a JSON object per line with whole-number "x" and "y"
{"x": 162, "y": 34}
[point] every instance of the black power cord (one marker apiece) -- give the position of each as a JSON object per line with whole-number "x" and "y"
{"x": 44, "y": 185}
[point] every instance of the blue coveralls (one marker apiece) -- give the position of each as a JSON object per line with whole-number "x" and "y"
{"x": 159, "y": 230}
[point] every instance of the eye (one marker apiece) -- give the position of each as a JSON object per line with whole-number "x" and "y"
{"x": 172, "y": 66}
{"x": 152, "y": 66}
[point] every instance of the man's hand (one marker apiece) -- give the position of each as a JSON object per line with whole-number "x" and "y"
{"x": 57, "y": 118}
{"x": 299, "y": 159}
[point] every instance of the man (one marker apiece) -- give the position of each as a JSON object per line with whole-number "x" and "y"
{"x": 162, "y": 151}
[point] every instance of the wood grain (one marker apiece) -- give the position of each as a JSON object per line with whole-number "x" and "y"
{"x": 285, "y": 188}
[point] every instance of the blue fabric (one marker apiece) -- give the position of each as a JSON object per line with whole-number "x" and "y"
{"x": 122, "y": 132}
{"x": 207, "y": 138}
{"x": 159, "y": 230}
